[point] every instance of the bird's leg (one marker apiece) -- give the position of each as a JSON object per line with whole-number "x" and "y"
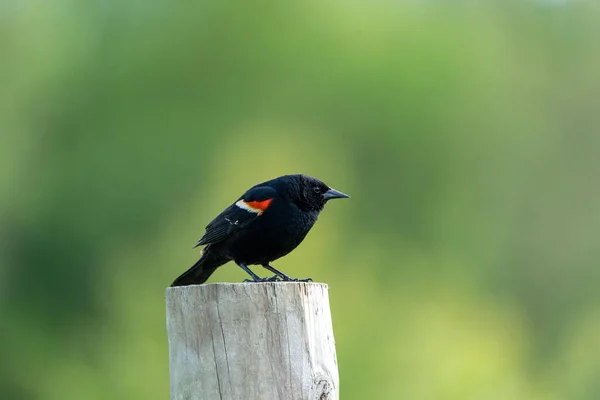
{"x": 274, "y": 278}
{"x": 255, "y": 278}
{"x": 283, "y": 276}
{"x": 280, "y": 274}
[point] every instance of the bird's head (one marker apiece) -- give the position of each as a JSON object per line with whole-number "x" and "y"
{"x": 310, "y": 193}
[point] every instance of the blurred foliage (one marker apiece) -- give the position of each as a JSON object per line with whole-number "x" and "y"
{"x": 465, "y": 266}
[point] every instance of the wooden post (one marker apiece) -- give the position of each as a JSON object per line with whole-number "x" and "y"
{"x": 251, "y": 341}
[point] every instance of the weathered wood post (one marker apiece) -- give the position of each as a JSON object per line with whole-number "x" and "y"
{"x": 249, "y": 341}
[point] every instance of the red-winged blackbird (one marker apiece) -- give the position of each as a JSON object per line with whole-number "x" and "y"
{"x": 267, "y": 222}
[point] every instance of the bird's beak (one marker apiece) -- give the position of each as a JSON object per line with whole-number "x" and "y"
{"x": 334, "y": 194}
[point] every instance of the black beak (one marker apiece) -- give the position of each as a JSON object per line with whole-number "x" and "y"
{"x": 334, "y": 194}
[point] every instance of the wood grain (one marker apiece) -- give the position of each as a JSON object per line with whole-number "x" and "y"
{"x": 251, "y": 341}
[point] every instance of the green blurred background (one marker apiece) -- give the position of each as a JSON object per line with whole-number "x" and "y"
{"x": 465, "y": 266}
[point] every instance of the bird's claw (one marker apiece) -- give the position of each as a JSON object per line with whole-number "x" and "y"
{"x": 303, "y": 280}
{"x": 277, "y": 278}
{"x": 288, "y": 279}
{"x": 259, "y": 280}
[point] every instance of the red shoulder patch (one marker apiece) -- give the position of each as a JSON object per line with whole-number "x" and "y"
{"x": 257, "y": 207}
{"x": 260, "y": 205}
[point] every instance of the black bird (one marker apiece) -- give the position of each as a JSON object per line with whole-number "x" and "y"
{"x": 267, "y": 222}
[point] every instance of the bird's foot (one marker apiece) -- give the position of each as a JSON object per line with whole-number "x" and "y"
{"x": 304, "y": 280}
{"x": 288, "y": 279}
{"x": 279, "y": 276}
{"x": 259, "y": 280}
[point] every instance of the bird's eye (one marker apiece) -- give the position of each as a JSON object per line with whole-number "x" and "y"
{"x": 317, "y": 189}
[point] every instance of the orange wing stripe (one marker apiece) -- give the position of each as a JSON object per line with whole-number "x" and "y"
{"x": 260, "y": 205}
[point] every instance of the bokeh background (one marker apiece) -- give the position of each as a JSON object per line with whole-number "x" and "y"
{"x": 465, "y": 266}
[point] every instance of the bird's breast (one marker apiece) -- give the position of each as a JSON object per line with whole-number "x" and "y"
{"x": 276, "y": 235}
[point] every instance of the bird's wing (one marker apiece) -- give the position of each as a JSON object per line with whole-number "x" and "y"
{"x": 238, "y": 216}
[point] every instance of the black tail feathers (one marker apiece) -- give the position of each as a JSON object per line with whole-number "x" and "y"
{"x": 200, "y": 271}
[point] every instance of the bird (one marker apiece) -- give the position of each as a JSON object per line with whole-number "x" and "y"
{"x": 264, "y": 224}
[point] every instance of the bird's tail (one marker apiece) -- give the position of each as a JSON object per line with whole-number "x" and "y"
{"x": 201, "y": 270}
